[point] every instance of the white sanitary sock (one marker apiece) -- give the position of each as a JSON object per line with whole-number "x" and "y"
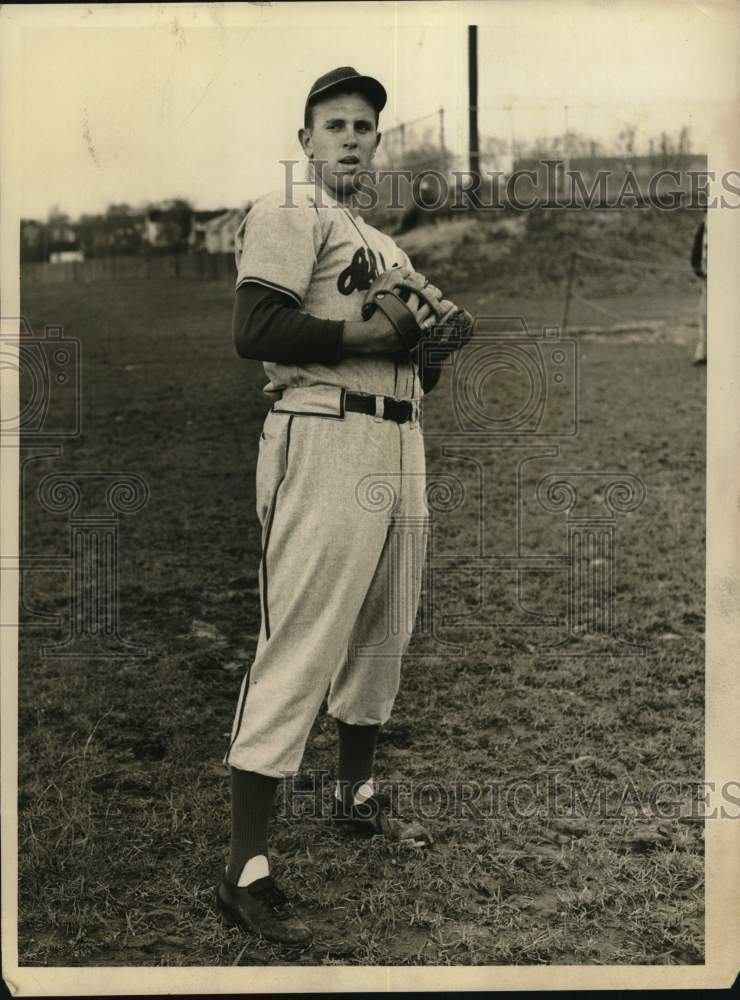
{"x": 364, "y": 792}
{"x": 255, "y": 868}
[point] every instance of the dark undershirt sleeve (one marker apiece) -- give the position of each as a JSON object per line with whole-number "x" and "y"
{"x": 696, "y": 248}
{"x": 268, "y": 326}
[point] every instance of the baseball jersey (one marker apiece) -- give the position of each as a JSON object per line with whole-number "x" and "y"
{"x": 311, "y": 248}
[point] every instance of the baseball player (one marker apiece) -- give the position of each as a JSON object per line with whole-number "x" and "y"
{"x": 340, "y": 453}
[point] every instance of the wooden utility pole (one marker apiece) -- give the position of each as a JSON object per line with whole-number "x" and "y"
{"x": 569, "y": 292}
{"x": 473, "y": 145}
{"x": 566, "y": 150}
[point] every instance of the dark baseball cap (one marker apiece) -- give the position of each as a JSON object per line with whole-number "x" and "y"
{"x": 347, "y": 78}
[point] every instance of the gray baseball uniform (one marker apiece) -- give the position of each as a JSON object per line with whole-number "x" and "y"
{"x": 340, "y": 496}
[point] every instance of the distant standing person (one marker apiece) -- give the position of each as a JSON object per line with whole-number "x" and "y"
{"x": 699, "y": 265}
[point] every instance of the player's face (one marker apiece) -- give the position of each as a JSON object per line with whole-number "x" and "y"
{"x": 342, "y": 140}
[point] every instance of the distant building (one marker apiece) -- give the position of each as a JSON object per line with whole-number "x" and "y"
{"x": 124, "y": 236}
{"x": 65, "y": 256}
{"x": 62, "y": 243}
{"x": 199, "y": 223}
{"x": 167, "y": 226}
{"x": 219, "y": 233}
{"x": 115, "y": 232}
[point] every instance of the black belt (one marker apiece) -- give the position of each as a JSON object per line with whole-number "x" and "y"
{"x": 400, "y": 410}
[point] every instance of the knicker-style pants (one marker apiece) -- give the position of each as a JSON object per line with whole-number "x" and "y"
{"x": 700, "y": 351}
{"x": 341, "y": 501}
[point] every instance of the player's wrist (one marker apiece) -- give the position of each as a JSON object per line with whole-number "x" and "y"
{"x": 354, "y": 338}
{"x": 370, "y": 336}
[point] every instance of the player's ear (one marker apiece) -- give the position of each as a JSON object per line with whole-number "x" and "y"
{"x": 304, "y": 137}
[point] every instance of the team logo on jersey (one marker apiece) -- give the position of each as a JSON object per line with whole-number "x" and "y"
{"x": 361, "y": 273}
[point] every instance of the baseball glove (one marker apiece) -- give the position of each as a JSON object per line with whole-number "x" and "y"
{"x": 450, "y": 331}
{"x": 449, "y": 328}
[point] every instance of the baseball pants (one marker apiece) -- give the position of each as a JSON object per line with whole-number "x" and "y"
{"x": 700, "y": 351}
{"x": 341, "y": 502}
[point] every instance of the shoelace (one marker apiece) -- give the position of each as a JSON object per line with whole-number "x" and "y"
{"x": 275, "y": 898}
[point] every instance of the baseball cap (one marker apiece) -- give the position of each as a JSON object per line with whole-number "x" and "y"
{"x": 346, "y": 76}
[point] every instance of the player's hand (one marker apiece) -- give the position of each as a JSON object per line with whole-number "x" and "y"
{"x": 412, "y": 277}
{"x": 377, "y": 335}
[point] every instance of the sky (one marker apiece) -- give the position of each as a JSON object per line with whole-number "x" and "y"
{"x": 137, "y": 103}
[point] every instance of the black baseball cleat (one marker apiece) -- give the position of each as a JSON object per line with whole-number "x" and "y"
{"x": 372, "y": 817}
{"x": 262, "y": 908}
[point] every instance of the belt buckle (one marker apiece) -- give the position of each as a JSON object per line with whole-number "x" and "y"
{"x": 379, "y": 408}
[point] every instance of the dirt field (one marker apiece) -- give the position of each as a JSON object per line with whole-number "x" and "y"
{"x": 123, "y": 799}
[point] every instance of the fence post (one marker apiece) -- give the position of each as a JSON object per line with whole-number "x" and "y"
{"x": 569, "y": 290}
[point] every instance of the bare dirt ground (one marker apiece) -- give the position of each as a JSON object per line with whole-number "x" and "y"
{"x": 123, "y": 799}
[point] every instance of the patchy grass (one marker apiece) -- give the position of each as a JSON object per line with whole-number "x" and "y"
{"x": 123, "y": 800}
{"x": 514, "y": 252}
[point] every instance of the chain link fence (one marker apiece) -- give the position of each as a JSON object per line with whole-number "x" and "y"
{"x": 585, "y": 134}
{"x": 438, "y": 141}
